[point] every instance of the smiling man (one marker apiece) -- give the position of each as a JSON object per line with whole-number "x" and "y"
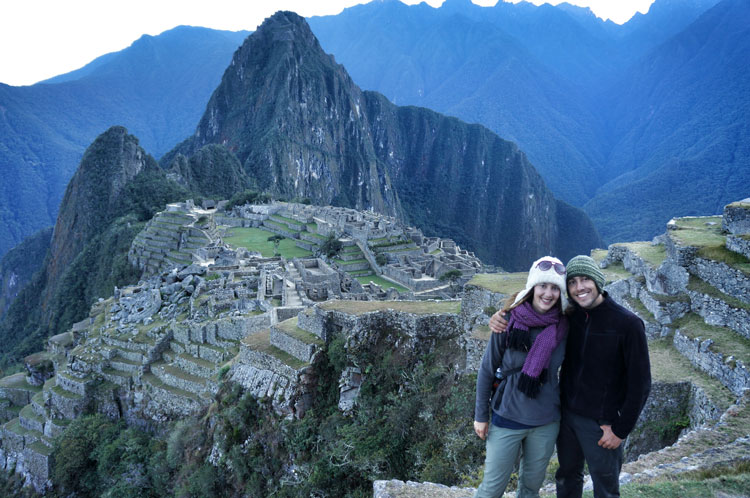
{"x": 604, "y": 382}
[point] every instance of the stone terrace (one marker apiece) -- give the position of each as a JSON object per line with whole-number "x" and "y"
{"x": 172, "y": 237}
{"x": 690, "y": 287}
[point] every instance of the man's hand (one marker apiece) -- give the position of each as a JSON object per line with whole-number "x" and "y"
{"x": 481, "y": 428}
{"x": 498, "y": 324}
{"x": 609, "y": 440}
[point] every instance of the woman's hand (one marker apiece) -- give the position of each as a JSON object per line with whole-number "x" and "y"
{"x": 498, "y": 324}
{"x": 481, "y": 428}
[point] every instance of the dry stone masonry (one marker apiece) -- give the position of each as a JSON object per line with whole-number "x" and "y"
{"x": 205, "y": 313}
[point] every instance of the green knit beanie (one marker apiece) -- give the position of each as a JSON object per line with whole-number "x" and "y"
{"x": 584, "y": 265}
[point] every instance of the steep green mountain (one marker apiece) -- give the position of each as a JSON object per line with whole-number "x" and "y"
{"x": 116, "y": 188}
{"x": 683, "y": 128}
{"x": 19, "y": 264}
{"x": 300, "y": 127}
{"x": 158, "y": 88}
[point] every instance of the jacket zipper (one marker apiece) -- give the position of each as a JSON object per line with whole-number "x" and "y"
{"x": 583, "y": 348}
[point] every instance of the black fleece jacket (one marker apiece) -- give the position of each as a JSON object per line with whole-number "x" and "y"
{"x": 606, "y": 374}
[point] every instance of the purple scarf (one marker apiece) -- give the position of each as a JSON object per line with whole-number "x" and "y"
{"x": 555, "y": 325}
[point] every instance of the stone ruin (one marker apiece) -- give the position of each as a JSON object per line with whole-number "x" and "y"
{"x": 158, "y": 350}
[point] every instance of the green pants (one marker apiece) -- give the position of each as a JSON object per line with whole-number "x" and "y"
{"x": 505, "y": 447}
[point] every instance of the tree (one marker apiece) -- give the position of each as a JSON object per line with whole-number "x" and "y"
{"x": 451, "y": 276}
{"x": 275, "y": 239}
{"x": 331, "y": 246}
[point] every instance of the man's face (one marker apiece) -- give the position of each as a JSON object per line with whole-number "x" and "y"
{"x": 583, "y": 291}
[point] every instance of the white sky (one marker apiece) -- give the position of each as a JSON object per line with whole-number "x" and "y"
{"x": 40, "y": 39}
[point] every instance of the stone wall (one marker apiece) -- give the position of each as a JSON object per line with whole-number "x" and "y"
{"x": 719, "y": 313}
{"x": 739, "y": 244}
{"x": 722, "y": 276}
{"x": 730, "y": 372}
{"x": 736, "y": 218}
{"x": 661, "y": 421}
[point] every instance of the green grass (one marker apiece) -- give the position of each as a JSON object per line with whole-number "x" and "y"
{"x": 691, "y": 222}
{"x": 652, "y": 254}
{"x": 637, "y": 306}
{"x": 290, "y": 327}
{"x": 699, "y": 237}
{"x": 709, "y": 240}
{"x": 260, "y": 342}
{"x": 360, "y": 273}
{"x": 316, "y": 235}
{"x": 285, "y": 219}
{"x": 726, "y": 341}
{"x": 697, "y": 285}
{"x": 416, "y": 307}
{"x": 282, "y": 226}
{"x": 503, "y": 283}
{"x": 616, "y": 271}
{"x": 348, "y": 263}
{"x": 384, "y": 283}
{"x": 256, "y": 239}
{"x": 732, "y": 485}
{"x": 724, "y": 255}
{"x": 668, "y": 365}
{"x": 65, "y": 394}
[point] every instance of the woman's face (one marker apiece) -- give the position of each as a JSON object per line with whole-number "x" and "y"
{"x": 545, "y": 297}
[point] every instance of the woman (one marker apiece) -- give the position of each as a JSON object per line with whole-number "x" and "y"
{"x": 521, "y": 420}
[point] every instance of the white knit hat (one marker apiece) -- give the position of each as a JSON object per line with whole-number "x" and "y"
{"x": 539, "y": 276}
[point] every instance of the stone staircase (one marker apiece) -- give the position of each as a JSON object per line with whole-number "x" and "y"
{"x": 352, "y": 260}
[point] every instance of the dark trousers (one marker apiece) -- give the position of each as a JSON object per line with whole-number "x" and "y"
{"x": 577, "y": 441}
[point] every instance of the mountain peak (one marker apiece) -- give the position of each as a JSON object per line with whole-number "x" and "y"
{"x": 285, "y": 26}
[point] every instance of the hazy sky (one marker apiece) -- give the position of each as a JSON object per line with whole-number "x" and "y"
{"x": 44, "y": 38}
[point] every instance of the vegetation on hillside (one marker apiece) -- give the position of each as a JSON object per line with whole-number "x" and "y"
{"x": 100, "y": 265}
{"x": 412, "y": 421}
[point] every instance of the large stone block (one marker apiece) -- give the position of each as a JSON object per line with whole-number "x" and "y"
{"x": 736, "y": 218}
{"x": 717, "y": 312}
{"x": 732, "y": 374}
{"x": 727, "y": 279}
{"x": 739, "y": 244}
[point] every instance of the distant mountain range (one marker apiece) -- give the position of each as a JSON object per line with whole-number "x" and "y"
{"x": 634, "y": 123}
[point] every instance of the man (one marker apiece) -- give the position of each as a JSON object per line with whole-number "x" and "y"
{"x": 604, "y": 382}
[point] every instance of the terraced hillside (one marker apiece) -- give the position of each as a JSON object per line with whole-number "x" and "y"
{"x": 691, "y": 287}
{"x": 160, "y": 350}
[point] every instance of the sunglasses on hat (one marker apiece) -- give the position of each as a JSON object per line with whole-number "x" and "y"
{"x": 546, "y": 264}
